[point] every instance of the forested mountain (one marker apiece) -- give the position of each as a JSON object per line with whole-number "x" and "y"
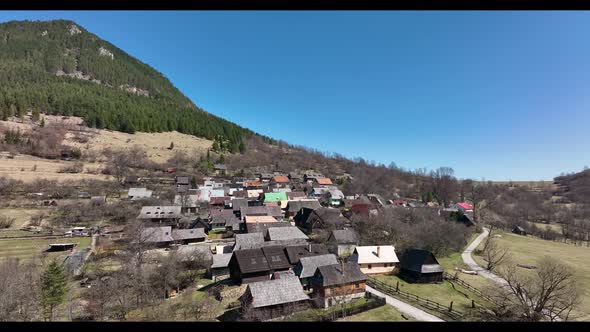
{"x": 576, "y": 186}
{"x": 57, "y": 67}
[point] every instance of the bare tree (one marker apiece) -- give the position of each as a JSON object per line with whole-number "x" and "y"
{"x": 493, "y": 254}
{"x": 444, "y": 185}
{"x": 552, "y": 292}
{"x": 20, "y": 291}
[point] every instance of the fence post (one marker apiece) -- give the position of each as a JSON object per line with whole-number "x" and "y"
{"x": 472, "y": 303}
{"x": 397, "y": 287}
{"x": 451, "y": 306}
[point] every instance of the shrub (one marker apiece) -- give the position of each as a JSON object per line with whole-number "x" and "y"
{"x": 6, "y": 222}
{"x": 76, "y": 168}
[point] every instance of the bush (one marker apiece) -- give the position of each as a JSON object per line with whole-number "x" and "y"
{"x": 76, "y": 168}
{"x": 6, "y": 222}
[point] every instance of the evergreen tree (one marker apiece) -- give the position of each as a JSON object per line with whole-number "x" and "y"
{"x": 53, "y": 288}
{"x": 36, "y": 114}
{"x": 221, "y": 159}
{"x": 242, "y": 147}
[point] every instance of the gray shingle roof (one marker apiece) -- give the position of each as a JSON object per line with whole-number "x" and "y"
{"x": 274, "y": 211}
{"x": 285, "y": 233}
{"x": 307, "y": 265}
{"x": 276, "y": 291}
{"x": 294, "y": 253}
{"x": 188, "y": 234}
{"x": 220, "y": 260}
{"x": 344, "y": 236}
{"x": 337, "y": 274}
{"x": 295, "y": 206}
{"x": 421, "y": 261}
{"x": 248, "y": 241}
{"x": 157, "y": 234}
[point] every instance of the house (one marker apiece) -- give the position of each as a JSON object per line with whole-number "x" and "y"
{"x": 182, "y": 183}
{"x": 157, "y": 236}
{"x": 131, "y": 179}
{"x": 217, "y": 201}
{"x": 274, "y": 298}
{"x": 273, "y": 211}
{"x": 295, "y": 177}
{"x": 220, "y": 169}
{"x": 375, "y": 259}
{"x": 250, "y": 265}
{"x": 254, "y": 193}
{"x": 224, "y": 222}
{"x": 275, "y": 197}
{"x": 262, "y": 227}
{"x": 295, "y": 206}
{"x": 295, "y": 253}
{"x": 186, "y": 236}
{"x": 377, "y": 200}
{"x": 249, "y": 185}
{"x": 321, "y": 218}
{"x": 310, "y": 177}
{"x": 285, "y": 233}
{"x": 188, "y": 203}
{"x": 237, "y": 204}
{"x": 319, "y": 192}
{"x": 306, "y": 267}
{"x": 323, "y": 181}
{"x": 420, "y": 266}
{"x": 166, "y": 214}
{"x": 337, "y": 283}
{"x": 519, "y": 230}
{"x": 279, "y": 180}
{"x": 219, "y": 269}
{"x": 265, "y": 177}
{"x": 138, "y": 193}
{"x": 342, "y": 242}
{"x": 335, "y": 197}
{"x": 248, "y": 241}
{"x": 295, "y": 195}
{"x": 464, "y": 207}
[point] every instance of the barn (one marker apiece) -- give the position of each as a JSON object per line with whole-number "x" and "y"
{"x": 420, "y": 266}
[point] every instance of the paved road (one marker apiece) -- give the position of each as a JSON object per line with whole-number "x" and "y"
{"x": 405, "y": 308}
{"x": 467, "y": 259}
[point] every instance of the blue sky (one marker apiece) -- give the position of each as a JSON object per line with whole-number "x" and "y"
{"x": 495, "y": 95}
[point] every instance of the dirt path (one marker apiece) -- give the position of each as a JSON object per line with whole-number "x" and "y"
{"x": 467, "y": 259}
{"x": 405, "y": 308}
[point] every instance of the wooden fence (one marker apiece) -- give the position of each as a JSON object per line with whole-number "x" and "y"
{"x": 373, "y": 302}
{"x": 388, "y": 289}
{"x": 451, "y": 278}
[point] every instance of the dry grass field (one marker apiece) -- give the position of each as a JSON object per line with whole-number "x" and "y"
{"x": 529, "y": 251}
{"x": 92, "y": 142}
{"x": 27, "y": 250}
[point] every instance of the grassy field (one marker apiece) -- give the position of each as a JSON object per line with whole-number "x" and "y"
{"x": 385, "y": 313}
{"x": 21, "y": 215}
{"x": 529, "y": 251}
{"x": 554, "y": 227}
{"x": 443, "y": 293}
{"x": 29, "y": 249}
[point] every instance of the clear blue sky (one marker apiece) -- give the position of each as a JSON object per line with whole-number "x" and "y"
{"x": 495, "y": 95}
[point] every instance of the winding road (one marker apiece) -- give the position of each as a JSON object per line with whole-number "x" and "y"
{"x": 405, "y": 308}
{"x": 467, "y": 259}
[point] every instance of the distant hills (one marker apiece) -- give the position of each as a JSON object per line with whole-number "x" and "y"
{"x": 59, "y": 68}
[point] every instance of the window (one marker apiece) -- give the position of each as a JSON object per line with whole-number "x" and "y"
{"x": 357, "y": 285}
{"x": 369, "y": 266}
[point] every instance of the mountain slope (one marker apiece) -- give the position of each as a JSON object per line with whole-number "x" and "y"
{"x": 59, "y": 68}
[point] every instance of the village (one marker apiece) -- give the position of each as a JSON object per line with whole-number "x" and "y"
{"x": 282, "y": 243}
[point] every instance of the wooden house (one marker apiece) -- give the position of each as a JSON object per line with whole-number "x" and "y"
{"x": 321, "y": 218}
{"x": 519, "y": 230}
{"x": 420, "y": 266}
{"x": 250, "y": 265}
{"x": 337, "y": 283}
{"x": 342, "y": 242}
{"x": 219, "y": 269}
{"x": 306, "y": 267}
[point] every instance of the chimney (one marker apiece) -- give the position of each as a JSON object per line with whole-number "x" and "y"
{"x": 378, "y": 251}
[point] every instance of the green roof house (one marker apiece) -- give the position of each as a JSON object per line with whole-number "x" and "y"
{"x": 275, "y": 197}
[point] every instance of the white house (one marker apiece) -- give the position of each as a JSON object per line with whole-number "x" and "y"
{"x": 375, "y": 259}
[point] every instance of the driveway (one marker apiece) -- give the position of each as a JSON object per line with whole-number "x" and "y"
{"x": 467, "y": 259}
{"x": 405, "y": 308}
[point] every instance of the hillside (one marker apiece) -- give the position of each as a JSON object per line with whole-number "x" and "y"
{"x": 59, "y": 68}
{"x": 576, "y": 187}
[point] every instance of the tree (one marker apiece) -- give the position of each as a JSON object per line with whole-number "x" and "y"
{"x": 35, "y": 116}
{"x": 493, "y": 254}
{"x": 552, "y": 292}
{"x": 53, "y": 288}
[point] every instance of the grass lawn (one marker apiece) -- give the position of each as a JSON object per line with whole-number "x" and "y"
{"x": 28, "y": 249}
{"x": 21, "y": 215}
{"x": 443, "y": 293}
{"x": 529, "y": 251}
{"x": 385, "y": 313}
{"x": 554, "y": 227}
